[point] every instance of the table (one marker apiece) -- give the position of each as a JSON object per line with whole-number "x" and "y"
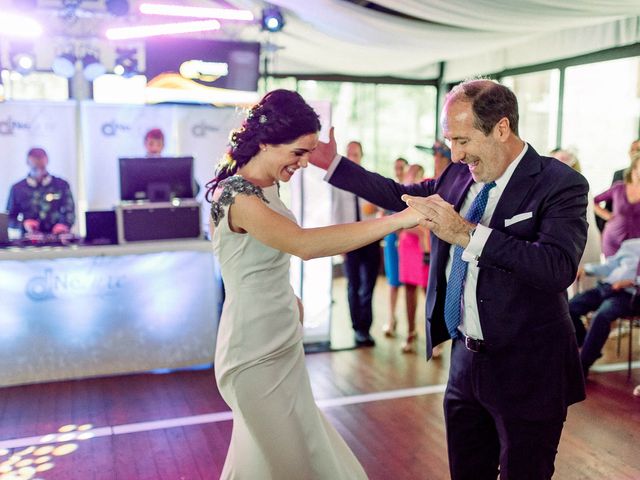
{"x": 81, "y": 311}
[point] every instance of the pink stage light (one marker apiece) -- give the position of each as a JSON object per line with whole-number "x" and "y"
{"x": 13, "y": 25}
{"x": 195, "y": 12}
{"x": 122, "y": 33}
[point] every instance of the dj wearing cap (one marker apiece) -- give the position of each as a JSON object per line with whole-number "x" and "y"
{"x": 441, "y": 156}
{"x": 41, "y": 203}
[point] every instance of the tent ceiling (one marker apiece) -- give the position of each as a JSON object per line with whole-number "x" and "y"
{"x": 353, "y": 38}
{"x": 403, "y": 38}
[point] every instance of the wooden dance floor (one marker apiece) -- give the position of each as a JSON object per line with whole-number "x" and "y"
{"x": 388, "y": 407}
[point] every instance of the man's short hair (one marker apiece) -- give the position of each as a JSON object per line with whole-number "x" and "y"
{"x": 155, "y": 134}
{"x": 37, "y": 152}
{"x": 490, "y": 102}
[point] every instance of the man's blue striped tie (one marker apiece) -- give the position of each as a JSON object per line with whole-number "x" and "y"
{"x": 452, "y": 303}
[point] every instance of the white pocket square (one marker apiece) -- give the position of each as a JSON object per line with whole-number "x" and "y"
{"x": 518, "y": 218}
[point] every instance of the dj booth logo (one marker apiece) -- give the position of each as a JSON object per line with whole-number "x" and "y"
{"x": 112, "y": 128}
{"x": 201, "y": 129}
{"x": 8, "y": 126}
{"x": 51, "y": 285}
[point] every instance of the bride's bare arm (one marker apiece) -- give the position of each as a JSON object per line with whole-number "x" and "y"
{"x": 252, "y": 215}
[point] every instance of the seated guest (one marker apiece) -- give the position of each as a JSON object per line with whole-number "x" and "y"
{"x": 611, "y": 299}
{"x": 41, "y": 203}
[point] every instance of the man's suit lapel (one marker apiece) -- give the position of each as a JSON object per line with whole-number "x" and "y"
{"x": 455, "y": 195}
{"x": 517, "y": 189}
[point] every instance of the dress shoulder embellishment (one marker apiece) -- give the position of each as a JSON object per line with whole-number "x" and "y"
{"x": 230, "y": 188}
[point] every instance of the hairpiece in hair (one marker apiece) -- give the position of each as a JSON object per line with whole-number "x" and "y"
{"x": 262, "y": 119}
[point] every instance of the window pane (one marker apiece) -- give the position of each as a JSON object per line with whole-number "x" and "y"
{"x": 389, "y": 120}
{"x": 538, "y": 107}
{"x": 601, "y": 110}
{"x": 34, "y": 86}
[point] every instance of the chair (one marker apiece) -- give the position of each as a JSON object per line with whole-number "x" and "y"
{"x": 634, "y": 321}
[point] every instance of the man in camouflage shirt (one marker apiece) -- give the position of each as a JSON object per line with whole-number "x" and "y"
{"x": 41, "y": 203}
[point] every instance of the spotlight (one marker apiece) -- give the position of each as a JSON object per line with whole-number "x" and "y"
{"x": 272, "y": 19}
{"x": 91, "y": 67}
{"x": 23, "y": 62}
{"x": 64, "y": 65}
{"x": 119, "y": 8}
{"x": 126, "y": 62}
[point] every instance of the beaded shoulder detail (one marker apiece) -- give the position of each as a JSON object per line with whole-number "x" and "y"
{"x": 230, "y": 186}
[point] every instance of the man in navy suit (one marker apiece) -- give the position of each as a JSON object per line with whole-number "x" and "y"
{"x": 514, "y": 362}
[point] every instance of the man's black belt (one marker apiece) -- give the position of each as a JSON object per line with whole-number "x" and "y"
{"x": 474, "y": 344}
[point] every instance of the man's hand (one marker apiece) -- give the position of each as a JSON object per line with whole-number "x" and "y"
{"x": 441, "y": 219}
{"x": 31, "y": 225}
{"x": 59, "y": 228}
{"x": 324, "y": 153}
{"x": 622, "y": 284}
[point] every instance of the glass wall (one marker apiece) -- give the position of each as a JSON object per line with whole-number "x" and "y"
{"x": 538, "y": 107}
{"x": 389, "y": 120}
{"x": 601, "y": 113}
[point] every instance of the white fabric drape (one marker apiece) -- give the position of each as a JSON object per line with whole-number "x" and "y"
{"x": 335, "y": 36}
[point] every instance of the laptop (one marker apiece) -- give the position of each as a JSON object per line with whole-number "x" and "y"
{"x": 4, "y": 228}
{"x": 101, "y": 227}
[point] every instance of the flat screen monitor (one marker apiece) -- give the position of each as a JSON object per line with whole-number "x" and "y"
{"x": 156, "y": 179}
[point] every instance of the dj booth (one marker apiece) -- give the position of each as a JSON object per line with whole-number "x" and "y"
{"x": 78, "y": 311}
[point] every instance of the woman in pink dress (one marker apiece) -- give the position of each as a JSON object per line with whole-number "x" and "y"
{"x": 414, "y": 272}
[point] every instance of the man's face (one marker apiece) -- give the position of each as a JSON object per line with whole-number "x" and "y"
{"x": 154, "y": 146}
{"x": 399, "y": 168}
{"x": 635, "y": 147}
{"x": 354, "y": 153}
{"x": 37, "y": 165}
{"x": 485, "y": 156}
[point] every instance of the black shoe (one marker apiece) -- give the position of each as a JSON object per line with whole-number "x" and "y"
{"x": 364, "y": 340}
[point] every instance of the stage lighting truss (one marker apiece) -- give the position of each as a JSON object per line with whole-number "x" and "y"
{"x": 126, "y": 62}
{"x": 23, "y": 62}
{"x": 64, "y": 65}
{"x": 272, "y": 19}
{"x": 91, "y": 66}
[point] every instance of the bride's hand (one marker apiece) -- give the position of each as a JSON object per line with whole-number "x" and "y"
{"x": 409, "y": 218}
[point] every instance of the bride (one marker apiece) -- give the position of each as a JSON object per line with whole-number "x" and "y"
{"x": 278, "y": 431}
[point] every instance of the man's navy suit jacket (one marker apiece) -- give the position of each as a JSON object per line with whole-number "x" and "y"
{"x": 525, "y": 269}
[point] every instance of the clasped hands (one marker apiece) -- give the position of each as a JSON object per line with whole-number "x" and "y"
{"x": 441, "y": 218}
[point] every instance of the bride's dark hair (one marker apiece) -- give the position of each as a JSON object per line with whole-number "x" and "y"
{"x": 282, "y": 116}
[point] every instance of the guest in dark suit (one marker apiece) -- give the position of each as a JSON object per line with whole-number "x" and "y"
{"x": 514, "y": 363}
{"x": 361, "y": 265}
